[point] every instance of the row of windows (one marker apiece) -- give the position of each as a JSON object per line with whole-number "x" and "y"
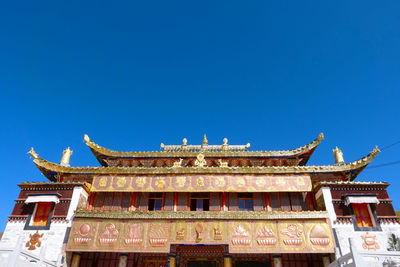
{"x": 202, "y": 201}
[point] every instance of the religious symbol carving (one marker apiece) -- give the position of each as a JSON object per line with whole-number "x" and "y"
{"x": 222, "y": 164}
{"x": 266, "y": 237}
{"x": 158, "y": 234}
{"x": 217, "y": 233}
{"x": 319, "y": 236}
{"x": 134, "y": 234}
{"x": 200, "y": 161}
{"x": 83, "y": 235}
{"x": 177, "y": 163}
{"x": 180, "y": 235}
{"x": 34, "y": 241}
{"x": 370, "y": 242}
{"x": 199, "y": 232}
{"x": 240, "y": 237}
{"x": 108, "y": 235}
{"x": 294, "y": 235}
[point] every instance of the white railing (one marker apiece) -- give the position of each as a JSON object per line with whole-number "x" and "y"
{"x": 19, "y": 257}
{"x": 357, "y": 258}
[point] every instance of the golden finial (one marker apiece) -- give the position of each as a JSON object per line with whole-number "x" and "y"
{"x": 33, "y": 153}
{"x": 338, "y": 156}
{"x": 65, "y": 157}
{"x": 205, "y": 141}
{"x": 86, "y": 138}
{"x": 225, "y": 141}
{"x": 320, "y": 136}
{"x": 376, "y": 150}
{"x": 162, "y": 145}
{"x": 184, "y": 142}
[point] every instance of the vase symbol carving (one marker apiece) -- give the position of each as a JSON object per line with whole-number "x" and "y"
{"x": 199, "y": 232}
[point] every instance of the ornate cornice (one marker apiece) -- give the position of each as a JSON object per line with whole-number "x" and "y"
{"x": 99, "y": 150}
{"x": 53, "y": 185}
{"x": 205, "y": 215}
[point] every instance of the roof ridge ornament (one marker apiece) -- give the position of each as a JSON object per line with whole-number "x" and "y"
{"x": 339, "y": 160}
{"x": 33, "y": 153}
{"x": 205, "y": 141}
{"x": 86, "y": 138}
{"x": 66, "y": 157}
{"x": 200, "y": 161}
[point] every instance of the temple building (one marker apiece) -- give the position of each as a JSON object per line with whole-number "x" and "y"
{"x": 198, "y": 205}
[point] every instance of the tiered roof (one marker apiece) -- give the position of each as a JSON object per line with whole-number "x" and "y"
{"x": 104, "y": 155}
{"x": 346, "y": 171}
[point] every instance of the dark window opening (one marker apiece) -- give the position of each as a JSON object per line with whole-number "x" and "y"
{"x": 199, "y": 201}
{"x": 245, "y": 202}
{"x": 155, "y": 201}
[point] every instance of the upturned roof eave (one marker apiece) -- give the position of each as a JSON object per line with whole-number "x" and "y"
{"x": 48, "y": 167}
{"x": 102, "y": 152}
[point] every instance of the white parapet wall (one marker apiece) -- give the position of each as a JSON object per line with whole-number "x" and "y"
{"x": 15, "y": 238}
{"x": 365, "y": 240}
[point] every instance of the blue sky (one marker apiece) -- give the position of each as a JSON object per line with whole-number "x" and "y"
{"x": 134, "y": 74}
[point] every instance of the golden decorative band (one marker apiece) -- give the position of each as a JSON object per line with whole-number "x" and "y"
{"x": 202, "y": 183}
{"x": 242, "y": 236}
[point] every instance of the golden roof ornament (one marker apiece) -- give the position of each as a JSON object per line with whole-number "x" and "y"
{"x": 33, "y": 153}
{"x": 338, "y": 156}
{"x": 184, "y": 142}
{"x": 86, "y": 138}
{"x": 66, "y": 157}
{"x": 225, "y": 141}
{"x": 225, "y": 144}
{"x": 200, "y": 161}
{"x": 205, "y": 141}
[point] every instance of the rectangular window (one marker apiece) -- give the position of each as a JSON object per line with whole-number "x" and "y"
{"x": 117, "y": 201}
{"x": 284, "y": 201}
{"x": 200, "y": 201}
{"x": 245, "y": 201}
{"x": 42, "y": 213}
{"x": 126, "y": 200}
{"x": 362, "y": 214}
{"x": 274, "y": 199}
{"x": 155, "y": 201}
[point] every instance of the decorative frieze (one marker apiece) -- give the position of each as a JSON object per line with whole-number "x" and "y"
{"x": 242, "y": 236}
{"x": 202, "y": 183}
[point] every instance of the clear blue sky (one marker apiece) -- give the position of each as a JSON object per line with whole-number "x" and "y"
{"x": 133, "y": 75}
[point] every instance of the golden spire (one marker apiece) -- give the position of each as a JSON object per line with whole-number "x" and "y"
{"x": 65, "y": 157}
{"x": 205, "y": 141}
{"x": 338, "y": 156}
{"x": 33, "y": 153}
